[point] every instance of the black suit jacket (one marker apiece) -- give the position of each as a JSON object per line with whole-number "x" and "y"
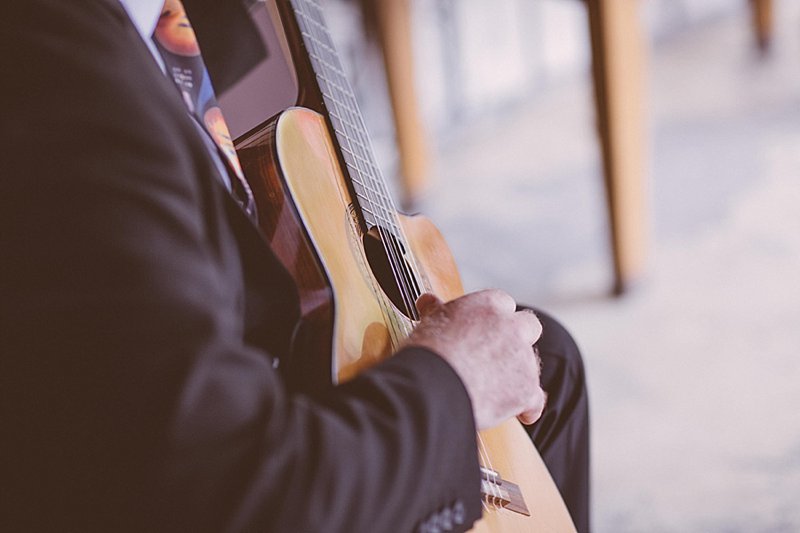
{"x": 140, "y": 312}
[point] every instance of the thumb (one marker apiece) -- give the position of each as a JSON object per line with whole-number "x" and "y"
{"x": 428, "y": 303}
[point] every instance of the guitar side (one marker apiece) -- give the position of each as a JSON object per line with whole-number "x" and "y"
{"x": 363, "y": 326}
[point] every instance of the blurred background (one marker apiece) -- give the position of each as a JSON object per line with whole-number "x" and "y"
{"x": 633, "y": 167}
{"x": 686, "y": 114}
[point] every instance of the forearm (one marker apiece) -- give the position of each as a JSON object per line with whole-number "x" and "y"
{"x": 377, "y": 454}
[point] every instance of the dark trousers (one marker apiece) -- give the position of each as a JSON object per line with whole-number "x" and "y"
{"x": 562, "y": 433}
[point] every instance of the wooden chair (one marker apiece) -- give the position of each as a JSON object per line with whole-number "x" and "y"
{"x": 618, "y": 64}
{"x": 761, "y": 11}
{"x": 619, "y": 58}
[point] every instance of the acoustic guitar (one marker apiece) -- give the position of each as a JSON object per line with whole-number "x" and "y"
{"x": 358, "y": 264}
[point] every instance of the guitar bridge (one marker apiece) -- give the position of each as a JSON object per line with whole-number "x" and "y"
{"x": 501, "y": 494}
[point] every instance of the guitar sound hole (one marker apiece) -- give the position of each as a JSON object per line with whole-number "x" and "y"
{"x": 386, "y": 258}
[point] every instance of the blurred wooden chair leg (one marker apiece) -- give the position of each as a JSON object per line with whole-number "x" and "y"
{"x": 393, "y": 26}
{"x": 762, "y": 17}
{"x": 618, "y": 57}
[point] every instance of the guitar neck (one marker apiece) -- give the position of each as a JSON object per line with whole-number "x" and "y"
{"x": 325, "y": 88}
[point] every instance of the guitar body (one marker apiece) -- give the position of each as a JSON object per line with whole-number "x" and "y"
{"x": 315, "y": 232}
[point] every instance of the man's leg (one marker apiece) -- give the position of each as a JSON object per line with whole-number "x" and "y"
{"x": 562, "y": 433}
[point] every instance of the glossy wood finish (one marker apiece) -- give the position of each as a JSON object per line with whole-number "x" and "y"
{"x": 363, "y": 321}
{"x": 309, "y": 213}
{"x": 312, "y": 178}
{"x": 281, "y": 225}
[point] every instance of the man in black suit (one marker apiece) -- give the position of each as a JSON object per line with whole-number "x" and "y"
{"x": 139, "y": 388}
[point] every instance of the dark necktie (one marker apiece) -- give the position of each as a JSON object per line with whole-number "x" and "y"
{"x": 178, "y": 46}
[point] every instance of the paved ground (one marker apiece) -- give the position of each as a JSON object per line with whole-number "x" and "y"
{"x": 695, "y": 375}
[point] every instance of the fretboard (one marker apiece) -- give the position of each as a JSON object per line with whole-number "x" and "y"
{"x": 374, "y": 201}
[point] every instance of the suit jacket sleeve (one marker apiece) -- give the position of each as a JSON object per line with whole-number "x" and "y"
{"x": 132, "y": 400}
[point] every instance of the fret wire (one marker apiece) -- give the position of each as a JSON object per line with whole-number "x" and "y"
{"x": 361, "y": 184}
{"x": 395, "y": 331}
{"x": 364, "y": 149}
{"x": 334, "y": 67}
{"x": 359, "y": 161}
{"x": 318, "y": 39}
{"x": 334, "y": 86}
{"x": 318, "y": 7}
{"x": 360, "y": 168}
{"x": 351, "y": 125}
{"x": 328, "y": 72}
{"x": 365, "y": 188}
{"x": 358, "y": 150}
{"x": 337, "y": 84}
{"x": 330, "y": 58}
{"x": 349, "y": 159}
{"x": 362, "y": 141}
{"x": 324, "y": 88}
{"x": 379, "y": 192}
{"x": 329, "y": 55}
{"x": 306, "y": 15}
{"x": 412, "y": 267}
{"x": 359, "y": 171}
{"x": 342, "y": 86}
{"x": 369, "y": 164}
{"x": 317, "y": 10}
{"x": 299, "y": 15}
{"x": 383, "y": 215}
{"x": 377, "y": 216}
{"x": 317, "y": 35}
{"x": 373, "y": 213}
{"x": 340, "y": 112}
{"x": 322, "y": 29}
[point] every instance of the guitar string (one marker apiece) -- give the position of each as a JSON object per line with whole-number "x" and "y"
{"x": 395, "y": 331}
{"x": 317, "y": 34}
{"x": 363, "y": 145}
{"x": 488, "y": 464}
{"x": 387, "y": 243}
{"x": 391, "y": 236}
{"x": 407, "y": 267}
{"x": 397, "y": 323}
{"x": 409, "y": 292}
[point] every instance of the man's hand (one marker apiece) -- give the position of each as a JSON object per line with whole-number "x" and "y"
{"x": 489, "y": 344}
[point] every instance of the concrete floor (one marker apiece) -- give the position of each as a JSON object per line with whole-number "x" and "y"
{"x": 694, "y": 376}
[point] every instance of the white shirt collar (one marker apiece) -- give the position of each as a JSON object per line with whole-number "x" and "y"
{"x": 144, "y": 15}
